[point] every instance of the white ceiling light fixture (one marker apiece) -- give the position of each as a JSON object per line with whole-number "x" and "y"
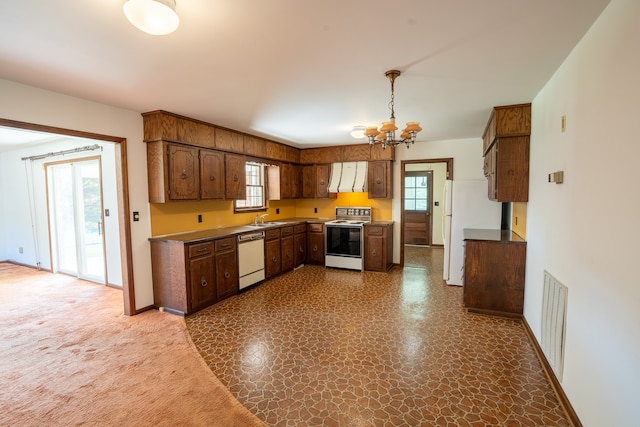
{"x": 358, "y": 131}
{"x": 386, "y": 136}
{"x": 155, "y": 17}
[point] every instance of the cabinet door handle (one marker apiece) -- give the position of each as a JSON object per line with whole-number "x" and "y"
{"x": 183, "y": 175}
{"x": 235, "y": 178}
{"x": 378, "y": 181}
{"x": 212, "y": 178}
{"x": 226, "y": 275}
{"x": 301, "y": 249}
{"x": 315, "y": 248}
{"x": 274, "y": 259}
{"x": 203, "y": 282}
{"x": 374, "y": 253}
{"x": 322, "y": 182}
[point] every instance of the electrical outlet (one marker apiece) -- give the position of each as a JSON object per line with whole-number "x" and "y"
{"x": 277, "y": 211}
{"x": 21, "y": 250}
{"x": 564, "y": 123}
{"x": 199, "y": 217}
{"x": 315, "y": 210}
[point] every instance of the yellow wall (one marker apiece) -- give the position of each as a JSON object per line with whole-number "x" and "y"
{"x": 519, "y": 219}
{"x": 179, "y": 217}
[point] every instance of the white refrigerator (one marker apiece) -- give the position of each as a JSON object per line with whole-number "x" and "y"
{"x": 466, "y": 205}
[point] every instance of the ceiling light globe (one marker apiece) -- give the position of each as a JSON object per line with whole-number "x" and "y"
{"x": 155, "y": 17}
{"x": 358, "y": 132}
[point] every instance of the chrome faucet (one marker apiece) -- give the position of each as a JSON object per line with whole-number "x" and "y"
{"x": 259, "y": 218}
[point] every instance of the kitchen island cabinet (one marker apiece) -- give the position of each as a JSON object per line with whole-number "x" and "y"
{"x": 494, "y": 272}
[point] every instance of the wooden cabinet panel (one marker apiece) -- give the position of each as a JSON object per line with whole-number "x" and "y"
{"x": 507, "y": 162}
{"x": 295, "y": 176}
{"x": 235, "y": 176}
{"x": 229, "y": 140}
{"x": 202, "y": 283}
{"x": 322, "y": 181}
{"x": 158, "y": 125}
{"x": 184, "y": 178}
{"x": 211, "y": 174}
{"x": 300, "y": 246}
{"x": 255, "y": 146}
{"x": 285, "y": 180}
{"x": 315, "y": 181}
{"x": 321, "y": 155}
{"x": 276, "y": 151}
{"x": 157, "y": 172}
{"x": 494, "y": 274}
{"x": 194, "y": 133}
{"x": 226, "y": 272}
{"x": 287, "y": 253}
{"x": 356, "y": 153}
{"x": 507, "y": 121}
{"x": 378, "y": 247}
{"x": 379, "y": 177}
{"x": 273, "y": 265}
{"x": 377, "y": 153}
{"x": 315, "y": 249}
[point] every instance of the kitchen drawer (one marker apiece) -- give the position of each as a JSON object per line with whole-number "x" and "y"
{"x": 225, "y": 244}
{"x": 273, "y": 233}
{"x": 286, "y": 231}
{"x": 300, "y": 228}
{"x": 316, "y": 228}
{"x": 374, "y": 231}
{"x": 200, "y": 249}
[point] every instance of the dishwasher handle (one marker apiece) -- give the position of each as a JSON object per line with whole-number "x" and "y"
{"x": 250, "y": 237}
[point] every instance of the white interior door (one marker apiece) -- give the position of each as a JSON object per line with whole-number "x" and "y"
{"x": 75, "y": 215}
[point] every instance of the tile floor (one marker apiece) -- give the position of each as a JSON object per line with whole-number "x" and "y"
{"x": 327, "y": 347}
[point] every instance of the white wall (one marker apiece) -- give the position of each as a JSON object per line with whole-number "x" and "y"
{"x": 585, "y": 232}
{"x": 467, "y": 164}
{"x": 29, "y": 104}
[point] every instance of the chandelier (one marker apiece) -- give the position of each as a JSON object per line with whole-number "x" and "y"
{"x": 386, "y": 136}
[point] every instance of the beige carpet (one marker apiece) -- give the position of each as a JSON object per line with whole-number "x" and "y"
{"x": 68, "y": 356}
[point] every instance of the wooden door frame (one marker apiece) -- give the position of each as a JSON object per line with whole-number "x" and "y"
{"x": 122, "y": 182}
{"x": 448, "y": 161}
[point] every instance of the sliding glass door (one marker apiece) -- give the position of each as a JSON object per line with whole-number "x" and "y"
{"x": 75, "y": 216}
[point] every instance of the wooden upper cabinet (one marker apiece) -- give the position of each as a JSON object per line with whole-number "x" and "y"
{"x": 211, "y": 174}
{"x": 184, "y": 179}
{"x": 323, "y": 172}
{"x": 195, "y": 133}
{"x": 235, "y": 176}
{"x": 315, "y": 181}
{"x": 356, "y": 153}
{"x": 507, "y": 121}
{"x": 379, "y": 183}
{"x": 506, "y": 153}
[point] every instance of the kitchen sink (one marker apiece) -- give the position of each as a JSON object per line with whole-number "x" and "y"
{"x": 266, "y": 224}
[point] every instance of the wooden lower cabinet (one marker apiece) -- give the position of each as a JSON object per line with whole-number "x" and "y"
{"x": 378, "y": 247}
{"x": 287, "y": 249}
{"x": 315, "y": 248}
{"x": 273, "y": 253}
{"x": 188, "y": 277}
{"x": 226, "y": 259}
{"x": 494, "y": 273}
{"x": 300, "y": 244}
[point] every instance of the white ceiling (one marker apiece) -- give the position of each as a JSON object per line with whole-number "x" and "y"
{"x": 296, "y": 71}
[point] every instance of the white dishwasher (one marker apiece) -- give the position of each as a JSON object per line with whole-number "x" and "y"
{"x": 250, "y": 258}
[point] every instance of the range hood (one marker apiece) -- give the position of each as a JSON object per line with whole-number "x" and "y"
{"x": 348, "y": 177}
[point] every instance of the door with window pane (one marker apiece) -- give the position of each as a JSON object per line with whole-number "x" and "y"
{"x": 76, "y": 222}
{"x": 418, "y": 192}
